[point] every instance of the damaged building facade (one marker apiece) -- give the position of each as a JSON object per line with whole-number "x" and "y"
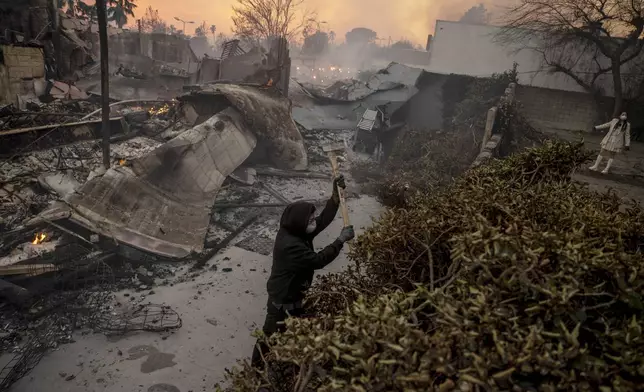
{"x": 142, "y": 65}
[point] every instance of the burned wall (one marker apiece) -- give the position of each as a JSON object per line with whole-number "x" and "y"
{"x": 21, "y": 65}
{"x": 238, "y": 68}
{"x": 208, "y": 71}
{"x": 259, "y": 66}
{"x": 125, "y": 43}
{"x": 167, "y": 48}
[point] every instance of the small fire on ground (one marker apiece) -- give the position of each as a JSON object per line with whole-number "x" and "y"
{"x": 160, "y": 110}
{"x": 39, "y": 238}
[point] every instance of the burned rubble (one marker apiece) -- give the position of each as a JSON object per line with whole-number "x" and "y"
{"x": 60, "y": 267}
{"x": 204, "y": 155}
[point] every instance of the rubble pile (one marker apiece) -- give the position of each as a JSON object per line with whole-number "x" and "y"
{"x": 514, "y": 277}
{"x": 423, "y": 160}
{"x": 53, "y": 280}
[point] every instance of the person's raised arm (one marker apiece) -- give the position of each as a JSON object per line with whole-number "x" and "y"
{"x": 603, "y": 126}
{"x": 306, "y": 259}
{"x": 331, "y": 208}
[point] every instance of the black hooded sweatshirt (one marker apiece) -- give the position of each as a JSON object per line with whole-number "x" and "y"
{"x": 294, "y": 258}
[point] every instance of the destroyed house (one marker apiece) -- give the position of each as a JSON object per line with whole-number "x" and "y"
{"x": 167, "y": 48}
{"x": 159, "y": 204}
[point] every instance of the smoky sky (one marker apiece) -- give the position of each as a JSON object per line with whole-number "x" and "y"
{"x": 395, "y": 19}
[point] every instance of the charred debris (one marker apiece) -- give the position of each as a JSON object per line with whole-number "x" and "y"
{"x": 197, "y": 145}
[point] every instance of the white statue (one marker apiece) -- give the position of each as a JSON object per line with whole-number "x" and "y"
{"x": 616, "y": 140}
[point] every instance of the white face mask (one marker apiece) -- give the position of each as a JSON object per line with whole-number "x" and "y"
{"x": 311, "y": 227}
{"x": 622, "y": 117}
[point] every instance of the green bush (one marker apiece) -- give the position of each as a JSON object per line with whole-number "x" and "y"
{"x": 514, "y": 277}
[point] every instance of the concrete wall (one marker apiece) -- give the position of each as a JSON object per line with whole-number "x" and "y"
{"x": 468, "y": 49}
{"x": 556, "y": 109}
{"x": 208, "y": 71}
{"x": 160, "y": 47}
{"x": 24, "y": 62}
{"x": 404, "y": 56}
{"x": 239, "y": 67}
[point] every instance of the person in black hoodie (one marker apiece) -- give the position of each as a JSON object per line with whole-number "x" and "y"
{"x": 295, "y": 261}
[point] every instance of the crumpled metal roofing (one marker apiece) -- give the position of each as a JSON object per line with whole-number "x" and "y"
{"x": 268, "y": 115}
{"x": 161, "y": 202}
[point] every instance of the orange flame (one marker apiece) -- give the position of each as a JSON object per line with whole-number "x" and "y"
{"x": 122, "y": 162}
{"x": 160, "y": 110}
{"x": 270, "y": 82}
{"x": 39, "y": 238}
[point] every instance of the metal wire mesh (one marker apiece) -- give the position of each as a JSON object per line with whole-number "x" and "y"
{"x": 22, "y": 363}
{"x": 150, "y": 318}
{"x": 29, "y": 355}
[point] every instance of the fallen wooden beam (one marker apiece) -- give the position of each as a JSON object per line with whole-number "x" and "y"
{"x": 274, "y": 193}
{"x": 219, "y": 245}
{"x": 119, "y": 103}
{"x": 54, "y": 126}
{"x": 14, "y": 294}
{"x": 27, "y": 269}
{"x": 269, "y": 171}
{"x": 261, "y": 205}
{"x": 23, "y": 140}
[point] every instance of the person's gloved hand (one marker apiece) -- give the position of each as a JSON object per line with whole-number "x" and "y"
{"x": 347, "y": 234}
{"x": 338, "y": 182}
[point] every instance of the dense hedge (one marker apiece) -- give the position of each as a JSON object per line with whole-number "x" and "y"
{"x": 513, "y": 278}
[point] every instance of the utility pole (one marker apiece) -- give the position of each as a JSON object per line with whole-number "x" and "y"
{"x": 105, "y": 80}
{"x": 184, "y": 24}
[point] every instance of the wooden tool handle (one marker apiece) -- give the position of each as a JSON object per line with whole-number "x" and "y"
{"x": 343, "y": 204}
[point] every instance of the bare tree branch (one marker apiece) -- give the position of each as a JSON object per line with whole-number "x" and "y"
{"x": 261, "y": 19}
{"x": 583, "y": 39}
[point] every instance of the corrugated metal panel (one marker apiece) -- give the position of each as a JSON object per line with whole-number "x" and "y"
{"x": 232, "y": 48}
{"x": 368, "y": 120}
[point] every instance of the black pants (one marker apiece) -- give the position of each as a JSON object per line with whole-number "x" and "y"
{"x": 274, "y": 316}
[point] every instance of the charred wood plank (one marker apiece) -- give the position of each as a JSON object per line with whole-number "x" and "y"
{"x": 222, "y": 206}
{"x": 56, "y": 135}
{"x": 14, "y": 294}
{"x": 274, "y": 193}
{"x": 269, "y": 171}
{"x": 217, "y": 246}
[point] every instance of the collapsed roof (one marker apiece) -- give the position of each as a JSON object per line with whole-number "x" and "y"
{"x": 323, "y": 109}
{"x": 161, "y": 202}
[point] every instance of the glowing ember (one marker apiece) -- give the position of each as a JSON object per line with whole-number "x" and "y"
{"x": 160, "y": 110}
{"x": 122, "y": 162}
{"x": 39, "y": 238}
{"x": 270, "y": 82}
